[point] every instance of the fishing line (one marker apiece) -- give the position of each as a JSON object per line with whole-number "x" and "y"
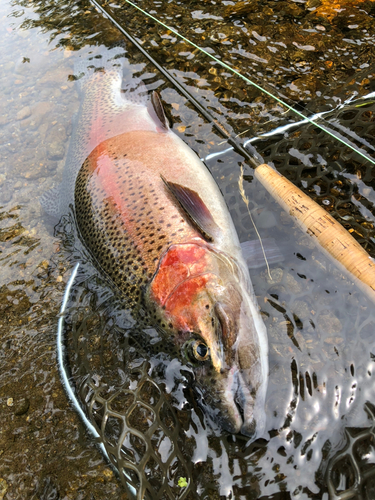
{"x": 246, "y": 201}
{"x": 234, "y": 71}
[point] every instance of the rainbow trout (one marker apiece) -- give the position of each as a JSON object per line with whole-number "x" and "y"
{"x": 156, "y": 224}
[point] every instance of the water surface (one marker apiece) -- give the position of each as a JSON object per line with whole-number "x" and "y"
{"x": 320, "y": 326}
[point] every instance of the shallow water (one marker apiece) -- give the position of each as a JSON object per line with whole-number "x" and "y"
{"x": 320, "y": 327}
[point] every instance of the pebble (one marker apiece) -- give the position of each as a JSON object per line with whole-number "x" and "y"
{"x": 42, "y": 108}
{"x": 334, "y": 340}
{"x": 266, "y": 220}
{"x": 23, "y": 113}
{"x": 55, "y": 151}
{"x": 329, "y": 323}
{"x": 3, "y": 488}
{"x": 277, "y": 276}
{"x": 56, "y": 143}
{"x": 108, "y": 474}
{"x": 306, "y": 241}
{"x": 10, "y": 402}
{"x": 34, "y": 173}
{"x": 301, "y": 309}
{"x": 312, "y": 4}
{"x": 21, "y": 406}
{"x": 6, "y": 195}
{"x": 52, "y": 166}
{"x": 4, "y": 119}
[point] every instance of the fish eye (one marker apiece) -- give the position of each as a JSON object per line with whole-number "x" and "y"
{"x": 200, "y": 351}
{"x": 197, "y": 350}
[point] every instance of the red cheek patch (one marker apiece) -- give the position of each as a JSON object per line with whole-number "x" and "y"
{"x": 185, "y": 305}
{"x": 179, "y": 263}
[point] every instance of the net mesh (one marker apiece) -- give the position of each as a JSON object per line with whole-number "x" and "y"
{"x": 140, "y": 400}
{"x": 350, "y": 473}
{"x": 334, "y": 175}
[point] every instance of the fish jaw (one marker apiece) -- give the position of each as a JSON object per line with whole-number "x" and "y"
{"x": 252, "y": 359}
{"x": 201, "y": 295}
{"x": 236, "y": 398}
{"x": 230, "y": 402}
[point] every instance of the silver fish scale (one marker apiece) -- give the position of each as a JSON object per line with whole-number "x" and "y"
{"x": 117, "y": 256}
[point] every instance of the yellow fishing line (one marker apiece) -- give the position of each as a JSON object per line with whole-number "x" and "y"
{"x": 250, "y": 82}
{"x": 246, "y": 201}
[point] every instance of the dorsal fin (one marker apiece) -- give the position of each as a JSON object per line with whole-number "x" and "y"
{"x": 195, "y": 208}
{"x": 158, "y": 109}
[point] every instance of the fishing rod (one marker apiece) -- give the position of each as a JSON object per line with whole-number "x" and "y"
{"x": 249, "y": 152}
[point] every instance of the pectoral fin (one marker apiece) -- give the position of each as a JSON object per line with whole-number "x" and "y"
{"x": 195, "y": 208}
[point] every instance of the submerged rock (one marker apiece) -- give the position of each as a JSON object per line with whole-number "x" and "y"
{"x": 3, "y": 488}
{"x": 23, "y": 113}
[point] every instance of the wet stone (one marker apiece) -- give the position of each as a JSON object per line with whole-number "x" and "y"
{"x": 293, "y": 285}
{"x": 42, "y": 108}
{"x": 4, "y": 119}
{"x": 329, "y": 323}
{"x": 21, "y": 406}
{"x": 278, "y": 276}
{"x": 3, "y": 488}
{"x": 56, "y": 143}
{"x": 52, "y": 166}
{"x": 312, "y": 4}
{"x": 23, "y": 113}
{"x": 301, "y": 309}
{"x": 34, "y": 173}
{"x": 6, "y": 194}
{"x": 307, "y": 242}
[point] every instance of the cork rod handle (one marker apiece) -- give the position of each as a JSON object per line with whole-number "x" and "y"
{"x": 336, "y": 242}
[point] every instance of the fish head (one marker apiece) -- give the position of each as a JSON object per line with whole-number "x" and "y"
{"x": 202, "y": 302}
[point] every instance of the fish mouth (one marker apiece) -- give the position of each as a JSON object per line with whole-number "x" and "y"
{"x": 236, "y": 409}
{"x": 239, "y": 406}
{"x": 244, "y": 407}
